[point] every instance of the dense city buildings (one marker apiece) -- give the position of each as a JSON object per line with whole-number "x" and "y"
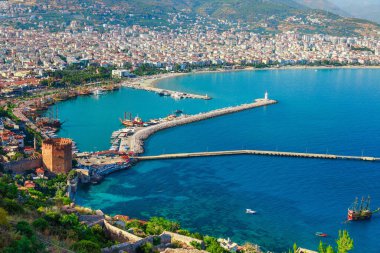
{"x": 27, "y": 54}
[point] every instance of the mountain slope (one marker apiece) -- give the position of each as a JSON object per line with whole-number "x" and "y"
{"x": 324, "y": 5}
{"x": 260, "y": 16}
{"x": 215, "y": 8}
{"x": 246, "y": 9}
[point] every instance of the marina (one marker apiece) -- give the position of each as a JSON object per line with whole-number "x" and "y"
{"x": 36, "y": 114}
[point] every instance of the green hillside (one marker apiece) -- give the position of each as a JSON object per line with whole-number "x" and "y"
{"x": 261, "y": 16}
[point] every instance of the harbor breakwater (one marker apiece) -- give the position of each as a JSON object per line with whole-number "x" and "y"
{"x": 137, "y": 140}
{"x": 163, "y": 92}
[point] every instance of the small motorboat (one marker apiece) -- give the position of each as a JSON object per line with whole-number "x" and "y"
{"x": 320, "y": 234}
{"x": 250, "y": 211}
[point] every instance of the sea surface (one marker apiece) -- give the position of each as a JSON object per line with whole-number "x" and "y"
{"x": 321, "y": 111}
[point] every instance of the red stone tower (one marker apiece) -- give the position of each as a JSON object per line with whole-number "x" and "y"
{"x": 57, "y": 155}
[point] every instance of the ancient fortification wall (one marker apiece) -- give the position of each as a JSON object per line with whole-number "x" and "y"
{"x": 24, "y": 164}
{"x": 119, "y": 234}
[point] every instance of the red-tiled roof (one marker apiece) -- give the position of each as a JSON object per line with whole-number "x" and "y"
{"x": 40, "y": 171}
{"x": 29, "y": 184}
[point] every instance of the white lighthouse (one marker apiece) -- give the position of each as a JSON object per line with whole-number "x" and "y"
{"x": 266, "y": 95}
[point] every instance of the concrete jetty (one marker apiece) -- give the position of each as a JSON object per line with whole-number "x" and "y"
{"x": 137, "y": 140}
{"x": 258, "y": 152}
{"x": 171, "y": 93}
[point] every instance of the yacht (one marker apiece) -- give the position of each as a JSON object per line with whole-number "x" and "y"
{"x": 250, "y": 211}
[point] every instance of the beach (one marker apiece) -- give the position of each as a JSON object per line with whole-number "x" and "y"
{"x": 147, "y": 82}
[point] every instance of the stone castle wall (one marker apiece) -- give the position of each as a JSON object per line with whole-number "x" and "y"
{"x": 119, "y": 234}
{"x": 182, "y": 238}
{"x": 23, "y": 165}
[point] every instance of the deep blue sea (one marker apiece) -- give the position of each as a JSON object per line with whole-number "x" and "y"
{"x": 324, "y": 111}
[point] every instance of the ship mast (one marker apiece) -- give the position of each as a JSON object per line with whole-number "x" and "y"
{"x": 368, "y": 202}
{"x": 355, "y": 204}
{"x": 361, "y": 204}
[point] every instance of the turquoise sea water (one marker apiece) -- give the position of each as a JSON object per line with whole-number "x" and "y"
{"x": 334, "y": 111}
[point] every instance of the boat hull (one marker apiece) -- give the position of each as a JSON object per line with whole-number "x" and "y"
{"x": 357, "y": 216}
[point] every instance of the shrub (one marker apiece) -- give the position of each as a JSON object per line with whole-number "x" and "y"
{"x": 196, "y": 245}
{"x": 184, "y": 232}
{"x": 134, "y": 224}
{"x": 213, "y": 246}
{"x": 69, "y": 220}
{"x": 25, "y": 229}
{"x": 24, "y": 245}
{"x": 85, "y": 246}
{"x": 72, "y": 174}
{"x": 8, "y": 190}
{"x": 40, "y": 224}
{"x": 156, "y": 240}
{"x": 12, "y": 206}
{"x": 53, "y": 218}
{"x": 197, "y": 236}
{"x": 3, "y": 217}
{"x": 156, "y": 226}
{"x": 145, "y": 248}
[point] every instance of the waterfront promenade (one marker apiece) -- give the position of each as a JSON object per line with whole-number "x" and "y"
{"x": 137, "y": 140}
{"x": 257, "y": 152}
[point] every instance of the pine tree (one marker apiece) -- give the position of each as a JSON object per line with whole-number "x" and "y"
{"x": 344, "y": 242}
{"x": 321, "y": 247}
{"x": 295, "y": 248}
{"x": 330, "y": 249}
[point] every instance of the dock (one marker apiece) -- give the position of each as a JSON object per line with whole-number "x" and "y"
{"x": 257, "y": 153}
{"x": 170, "y": 93}
{"x": 137, "y": 140}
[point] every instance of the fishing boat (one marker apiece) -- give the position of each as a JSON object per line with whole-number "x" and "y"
{"x": 320, "y": 234}
{"x": 360, "y": 212}
{"x": 250, "y": 211}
